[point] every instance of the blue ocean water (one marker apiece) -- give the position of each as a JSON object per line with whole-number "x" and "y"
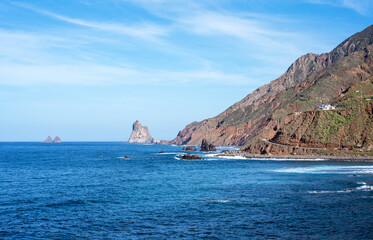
{"x": 89, "y": 191}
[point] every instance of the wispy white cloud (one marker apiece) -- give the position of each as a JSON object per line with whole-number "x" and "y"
{"x": 251, "y": 30}
{"x": 101, "y": 75}
{"x": 363, "y": 7}
{"x": 144, "y": 30}
{"x": 33, "y": 54}
{"x": 265, "y": 33}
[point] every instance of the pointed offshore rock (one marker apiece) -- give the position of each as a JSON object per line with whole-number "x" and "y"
{"x": 206, "y": 147}
{"x": 57, "y": 139}
{"x": 48, "y": 140}
{"x": 141, "y": 134}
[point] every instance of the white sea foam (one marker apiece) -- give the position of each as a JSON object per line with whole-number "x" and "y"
{"x": 169, "y": 153}
{"x": 232, "y": 148}
{"x": 329, "y": 169}
{"x": 218, "y": 200}
{"x": 364, "y": 187}
{"x": 232, "y": 157}
{"x": 211, "y": 155}
{"x": 290, "y": 159}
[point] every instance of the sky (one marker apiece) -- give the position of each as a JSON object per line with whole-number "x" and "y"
{"x": 85, "y": 70}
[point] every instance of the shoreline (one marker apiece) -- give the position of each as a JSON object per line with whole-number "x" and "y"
{"x": 300, "y": 157}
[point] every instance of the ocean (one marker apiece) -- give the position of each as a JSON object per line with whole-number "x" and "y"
{"x": 88, "y": 190}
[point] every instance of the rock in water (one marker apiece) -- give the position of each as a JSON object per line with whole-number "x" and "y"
{"x": 141, "y": 134}
{"x": 191, "y": 157}
{"x": 48, "y": 140}
{"x": 57, "y": 139}
{"x": 206, "y": 147}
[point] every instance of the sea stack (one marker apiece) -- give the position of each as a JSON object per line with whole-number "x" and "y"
{"x": 141, "y": 134}
{"x": 206, "y": 147}
{"x": 57, "y": 139}
{"x": 48, "y": 140}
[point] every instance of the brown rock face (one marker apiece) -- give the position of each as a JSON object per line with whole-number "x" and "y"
{"x": 57, "y": 139}
{"x": 312, "y": 80}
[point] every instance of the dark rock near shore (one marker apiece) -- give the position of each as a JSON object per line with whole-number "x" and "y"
{"x": 191, "y": 157}
{"x": 206, "y": 147}
{"x": 189, "y": 148}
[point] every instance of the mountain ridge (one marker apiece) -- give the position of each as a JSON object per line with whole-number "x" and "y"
{"x": 310, "y": 81}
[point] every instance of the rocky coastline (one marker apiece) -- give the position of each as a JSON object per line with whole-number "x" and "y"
{"x": 341, "y": 157}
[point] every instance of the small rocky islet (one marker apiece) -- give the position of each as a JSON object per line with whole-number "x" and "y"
{"x": 49, "y": 139}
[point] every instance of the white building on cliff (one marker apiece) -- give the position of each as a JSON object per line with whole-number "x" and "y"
{"x": 326, "y": 107}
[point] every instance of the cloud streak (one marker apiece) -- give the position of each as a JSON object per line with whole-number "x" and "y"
{"x": 363, "y": 7}
{"x": 101, "y": 75}
{"x": 145, "y": 31}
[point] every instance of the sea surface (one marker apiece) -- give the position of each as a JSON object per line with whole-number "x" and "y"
{"x": 90, "y": 191}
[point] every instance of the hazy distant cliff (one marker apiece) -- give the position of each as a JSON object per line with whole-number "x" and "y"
{"x": 283, "y": 111}
{"x": 141, "y": 134}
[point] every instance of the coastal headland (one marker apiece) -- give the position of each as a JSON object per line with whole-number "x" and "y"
{"x": 322, "y": 106}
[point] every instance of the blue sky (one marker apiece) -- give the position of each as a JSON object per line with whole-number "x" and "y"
{"x": 87, "y": 69}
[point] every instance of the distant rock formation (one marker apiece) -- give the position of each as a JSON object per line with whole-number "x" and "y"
{"x": 48, "y": 140}
{"x": 141, "y": 134}
{"x": 206, "y": 147}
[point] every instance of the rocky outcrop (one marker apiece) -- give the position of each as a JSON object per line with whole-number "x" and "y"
{"x": 206, "y": 147}
{"x": 48, "y": 140}
{"x": 57, "y": 139}
{"x": 312, "y": 80}
{"x": 191, "y": 157}
{"x": 164, "y": 142}
{"x": 141, "y": 134}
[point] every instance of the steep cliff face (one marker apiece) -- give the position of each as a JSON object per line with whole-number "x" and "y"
{"x": 57, "y": 139}
{"x": 141, "y": 134}
{"x": 310, "y": 81}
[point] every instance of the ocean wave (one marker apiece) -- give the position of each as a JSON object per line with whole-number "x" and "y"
{"x": 169, "y": 153}
{"x": 218, "y": 200}
{"x": 66, "y": 203}
{"x": 211, "y": 155}
{"x": 232, "y": 157}
{"x": 329, "y": 170}
{"x": 364, "y": 187}
{"x": 290, "y": 159}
